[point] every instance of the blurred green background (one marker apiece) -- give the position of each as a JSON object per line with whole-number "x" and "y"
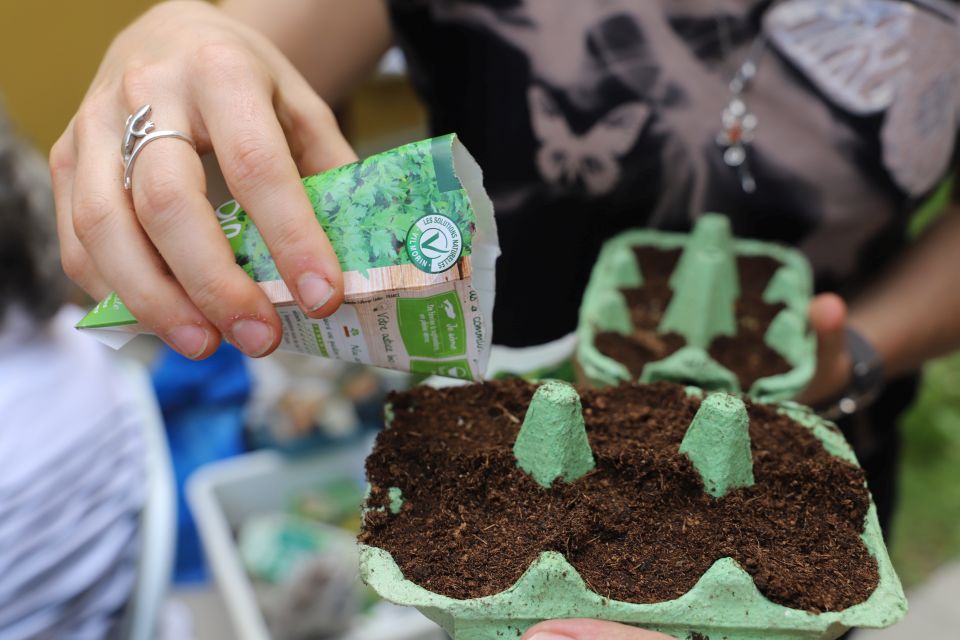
{"x": 927, "y": 525}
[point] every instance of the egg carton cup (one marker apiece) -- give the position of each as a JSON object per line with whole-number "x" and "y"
{"x": 724, "y": 604}
{"x": 705, "y": 286}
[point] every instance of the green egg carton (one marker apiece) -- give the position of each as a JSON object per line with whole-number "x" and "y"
{"x": 705, "y": 286}
{"x": 723, "y": 605}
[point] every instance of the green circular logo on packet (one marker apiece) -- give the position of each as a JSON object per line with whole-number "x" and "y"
{"x": 434, "y": 243}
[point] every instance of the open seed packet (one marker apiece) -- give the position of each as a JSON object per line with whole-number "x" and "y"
{"x": 704, "y": 516}
{"x": 416, "y": 238}
{"x": 701, "y": 308}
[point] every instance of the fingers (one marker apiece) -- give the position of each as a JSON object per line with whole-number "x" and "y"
{"x": 828, "y": 314}
{"x": 316, "y": 142}
{"x": 261, "y": 174}
{"x": 315, "y": 138}
{"x": 160, "y": 247}
{"x": 828, "y": 317}
{"x": 73, "y": 257}
{"x": 589, "y": 630}
{"x": 171, "y": 205}
{"x": 107, "y": 228}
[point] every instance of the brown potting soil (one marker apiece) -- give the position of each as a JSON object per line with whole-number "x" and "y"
{"x": 638, "y": 528}
{"x": 746, "y": 354}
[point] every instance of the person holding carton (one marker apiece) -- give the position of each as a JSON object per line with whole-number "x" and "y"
{"x": 588, "y": 118}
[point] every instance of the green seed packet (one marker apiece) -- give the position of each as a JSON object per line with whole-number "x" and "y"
{"x": 416, "y": 238}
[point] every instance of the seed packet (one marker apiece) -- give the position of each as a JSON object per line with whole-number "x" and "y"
{"x": 416, "y": 238}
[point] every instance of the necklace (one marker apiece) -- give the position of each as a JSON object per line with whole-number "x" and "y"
{"x": 738, "y": 123}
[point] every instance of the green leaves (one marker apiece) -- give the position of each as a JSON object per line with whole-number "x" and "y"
{"x": 367, "y": 208}
{"x": 383, "y": 244}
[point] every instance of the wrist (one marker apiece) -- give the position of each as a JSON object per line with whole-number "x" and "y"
{"x": 860, "y": 374}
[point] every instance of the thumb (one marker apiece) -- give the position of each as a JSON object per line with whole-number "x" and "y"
{"x": 828, "y": 317}
{"x": 589, "y": 630}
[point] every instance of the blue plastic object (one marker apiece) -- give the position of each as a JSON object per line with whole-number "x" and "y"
{"x": 202, "y": 405}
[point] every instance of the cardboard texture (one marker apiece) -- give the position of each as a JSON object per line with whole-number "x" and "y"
{"x": 705, "y": 287}
{"x": 552, "y": 442}
{"x": 414, "y": 232}
{"x": 718, "y": 444}
{"x": 723, "y": 605}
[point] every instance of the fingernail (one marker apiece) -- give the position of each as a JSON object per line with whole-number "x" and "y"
{"x": 543, "y": 635}
{"x": 315, "y": 291}
{"x": 252, "y": 336}
{"x": 190, "y": 340}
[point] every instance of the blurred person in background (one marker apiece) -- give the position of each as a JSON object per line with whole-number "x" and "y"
{"x": 824, "y": 124}
{"x": 71, "y": 454}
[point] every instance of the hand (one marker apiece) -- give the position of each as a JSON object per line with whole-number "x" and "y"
{"x": 589, "y": 630}
{"x": 160, "y": 247}
{"x": 828, "y": 316}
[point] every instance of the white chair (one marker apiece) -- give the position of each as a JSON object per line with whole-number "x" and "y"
{"x": 159, "y": 517}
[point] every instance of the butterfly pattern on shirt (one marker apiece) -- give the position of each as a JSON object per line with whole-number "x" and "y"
{"x": 570, "y": 57}
{"x": 874, "y": 56}
{"x": 575, "y": 50}
{"x": 590, "y": 158}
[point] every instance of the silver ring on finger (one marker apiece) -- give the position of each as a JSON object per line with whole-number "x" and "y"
{"x": 138, "y": 133}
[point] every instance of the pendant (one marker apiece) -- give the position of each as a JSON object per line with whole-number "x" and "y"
{"x": 735, "y": 138}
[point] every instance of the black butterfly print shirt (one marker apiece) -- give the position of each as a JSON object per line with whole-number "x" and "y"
{"x": 590, "y": 117}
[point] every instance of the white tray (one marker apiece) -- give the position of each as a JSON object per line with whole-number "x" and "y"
{"x": 223, "y": 494}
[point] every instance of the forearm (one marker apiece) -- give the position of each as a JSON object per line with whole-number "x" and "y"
{"x": 334, "y": 44}
{"x": 914, "y": 313}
